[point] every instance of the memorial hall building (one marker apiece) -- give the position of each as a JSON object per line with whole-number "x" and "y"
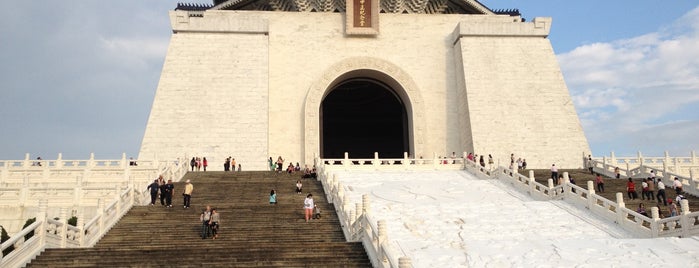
{"x": 254, "y": 79}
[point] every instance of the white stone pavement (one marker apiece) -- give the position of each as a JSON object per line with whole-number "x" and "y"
{"x": 453, "y": 219}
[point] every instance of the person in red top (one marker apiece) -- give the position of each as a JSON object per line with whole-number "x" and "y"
{"x": 205, "y": 163}
{"x": 631, "y": 189}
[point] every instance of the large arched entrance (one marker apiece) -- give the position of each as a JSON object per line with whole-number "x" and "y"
{"x": 362, "y": 116}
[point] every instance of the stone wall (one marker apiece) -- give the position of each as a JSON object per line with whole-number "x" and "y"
{"x": 249, "y": 84}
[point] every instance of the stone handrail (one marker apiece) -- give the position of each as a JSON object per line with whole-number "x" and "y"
{"x": 679, "y": 165}
{"x": 404, "y": 163}
{"x": 686, "y": 224}
{"x": 36, "y": 164}
{"x": 49, "y": 233}
{"x": 357, "y": 223}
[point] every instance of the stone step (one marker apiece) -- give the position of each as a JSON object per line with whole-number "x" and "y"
{"x": 253, "y": 233}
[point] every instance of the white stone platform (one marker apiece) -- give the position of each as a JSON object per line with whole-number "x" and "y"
{"x": 453, "y": 219}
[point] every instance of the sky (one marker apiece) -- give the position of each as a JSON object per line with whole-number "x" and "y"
{"x": 79, "y": 77}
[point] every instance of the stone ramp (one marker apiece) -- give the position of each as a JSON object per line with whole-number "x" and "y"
{"x": 253, "y": 233}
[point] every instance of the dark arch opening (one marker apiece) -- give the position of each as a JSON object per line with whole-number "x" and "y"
{"x": 362, "y": 116}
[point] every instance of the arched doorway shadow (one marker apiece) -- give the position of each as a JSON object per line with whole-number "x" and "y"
{"x": 361, "y": 116}
{"x": 384, "y": 72}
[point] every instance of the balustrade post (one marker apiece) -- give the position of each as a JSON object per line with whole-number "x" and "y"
{"x": 640, "y": 158}
{"x": 365, "y": 204}
{"x": 24, "y": 192}
{"x": 77, "y": 194}
{"x": 550, "y": 184}
{"x": 654, "y": 225}
{"x": 91, "y": 161}
{"x": 26, "y": 162}
{"x": 346, "y": 162}
{"x": 566, "y": 183}
{"x": 351, "y": 220}
{"x": 591, "y": 192}
{"x": 59, "y": 161}
{"x": 117, "y": 208}
{"x": 376, "y": 159}
{"x": 41, "y": 217}
{"x": 666, "y": 177}
{"x": 605, "y": 165}
{"x": 5, "y": 174}
{"x": 123, "y": 162}
{"x": 532, "y": 186}
{"x": 694, "y": 158}
{"x": 677, "y": 166}
{"x": 613, "y": 157}
{"x": 435, "y": 161}
{"x": 381, "y": 225}
{"x": 81, "y": 226}
{"x": 692, "y": 182}
{"x": 684, "y": 218}
{"x": 405, "y": 262}
{"x": 345, "y": 204}
{"x": 619, "y": 212}
{"x": 64, "y": 227}
{"x": 100, "y": 215}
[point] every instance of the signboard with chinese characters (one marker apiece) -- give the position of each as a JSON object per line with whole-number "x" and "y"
{"x": 362, "y": 17}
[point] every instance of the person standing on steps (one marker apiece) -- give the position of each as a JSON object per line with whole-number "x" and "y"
{"x": 661, "y": 193}
{"x": 204, "y": 163}
{"x": 205, "y": 219}
{"x": 270, "y": 162}
{"x": 273, "y": 197}
{"x": 193, "y": 163}
{"x": 169, "y": 189}
{"x": 163, "y": 193}
{"x": 188, "y": 189}
{"x": 631, "y": 189}
{"x": 308, "y": 207}
{"x": 600, "y": 183}
{"x": 153, "y": 191}
{"x": 554, "y": 172}
{"x": 214, "y": 222}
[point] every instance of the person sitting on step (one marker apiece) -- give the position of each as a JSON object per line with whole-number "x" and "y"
{"x": 299, "y": 187}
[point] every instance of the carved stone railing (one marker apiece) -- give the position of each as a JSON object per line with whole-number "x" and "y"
{"x": 682, "y": 166}
{"x": 684, "y": 225}
{"x": 50, "y": 233}
{"x": 405, "y": 163}
{"x": 356, "y": 220}
{"x": 639, "y": 168}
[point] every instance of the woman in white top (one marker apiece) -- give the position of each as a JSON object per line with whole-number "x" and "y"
{"x": 308, "y": 207}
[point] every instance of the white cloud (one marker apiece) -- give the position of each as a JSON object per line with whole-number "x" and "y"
{"x": 627, "y": 88}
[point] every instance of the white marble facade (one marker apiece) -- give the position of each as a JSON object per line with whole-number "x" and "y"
{"x": 249, "y": 84}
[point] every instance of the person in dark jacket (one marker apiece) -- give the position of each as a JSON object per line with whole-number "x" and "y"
{"x": 153, "y": 191}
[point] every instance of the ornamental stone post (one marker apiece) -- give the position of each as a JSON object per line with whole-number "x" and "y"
{"x": 405, "y": 262}
{"x": 620, "y": 202}
{"x": 365, "y": 203}
{"x": 381, "y": 225}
